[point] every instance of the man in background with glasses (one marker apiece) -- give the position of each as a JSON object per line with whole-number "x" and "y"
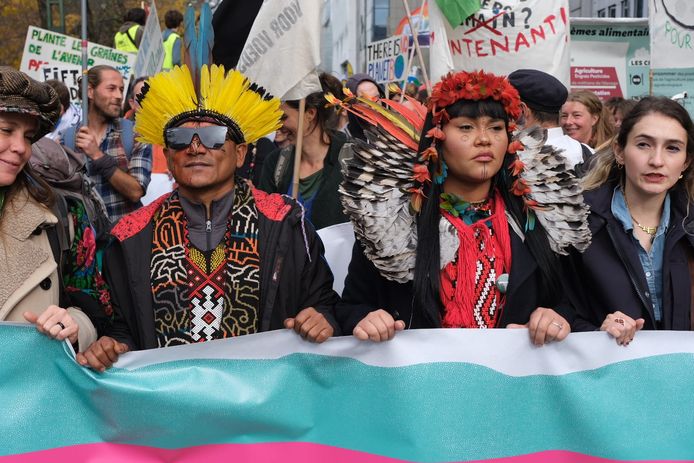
{"x": 215, "y": 258}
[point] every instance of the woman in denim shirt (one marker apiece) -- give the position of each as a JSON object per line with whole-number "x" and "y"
{"x": 635, "y": 273}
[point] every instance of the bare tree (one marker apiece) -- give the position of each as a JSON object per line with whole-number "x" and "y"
{"x": 104, "y": 19}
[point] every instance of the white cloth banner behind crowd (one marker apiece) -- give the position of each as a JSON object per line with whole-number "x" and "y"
{"x": 503, "y": 36}
{"x": 672, "y": 34}
{"x": 283, "y": 48}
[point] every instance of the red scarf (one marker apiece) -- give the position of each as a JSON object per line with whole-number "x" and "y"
{"x": 469, "y": 293}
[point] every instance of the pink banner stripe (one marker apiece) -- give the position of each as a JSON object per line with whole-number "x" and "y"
{"x": 289, "y": 452}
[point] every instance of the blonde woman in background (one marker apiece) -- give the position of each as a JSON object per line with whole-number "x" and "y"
{"x": 584, "y": 118}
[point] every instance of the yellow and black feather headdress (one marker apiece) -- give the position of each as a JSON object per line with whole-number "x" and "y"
{"x": 169, "y": 98}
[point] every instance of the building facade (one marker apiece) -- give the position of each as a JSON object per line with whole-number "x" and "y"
{"x": 347, "y": 27}
{"x": 609, "y": 8}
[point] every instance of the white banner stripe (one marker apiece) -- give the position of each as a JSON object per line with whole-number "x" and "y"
{"x": 506, "y": 351}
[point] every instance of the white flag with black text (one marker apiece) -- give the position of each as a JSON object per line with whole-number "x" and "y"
{"x": 282, "y": 51}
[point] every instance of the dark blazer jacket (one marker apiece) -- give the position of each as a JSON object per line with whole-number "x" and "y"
{"x": 608, "y": 276}
{"x": 293, "y": 272}
{"x": 366, "y": 290}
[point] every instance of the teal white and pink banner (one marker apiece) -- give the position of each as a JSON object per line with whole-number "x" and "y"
{"x": 427, "y": 396}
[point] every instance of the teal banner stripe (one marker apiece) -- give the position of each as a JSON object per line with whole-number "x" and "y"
{"x": 438, "y": 412}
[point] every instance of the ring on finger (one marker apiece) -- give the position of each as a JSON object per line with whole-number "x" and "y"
{"x": 60, "y": 324}
{"x": 557, "y": 324}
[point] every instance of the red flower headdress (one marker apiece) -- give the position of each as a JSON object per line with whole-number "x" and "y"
{"x": 475, "y": 86}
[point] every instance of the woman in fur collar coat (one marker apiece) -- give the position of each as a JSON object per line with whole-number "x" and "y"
{"x": 31, "y": 287}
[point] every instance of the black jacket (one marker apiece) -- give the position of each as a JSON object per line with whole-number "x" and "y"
{"x": 609, "y": 275}
{"x": 294, "y": 274}
{"x": 366, "y": 290}
{"x": 327, "y": 208}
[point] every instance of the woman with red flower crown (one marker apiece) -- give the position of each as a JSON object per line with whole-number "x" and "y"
{"x": 461, "y": 241}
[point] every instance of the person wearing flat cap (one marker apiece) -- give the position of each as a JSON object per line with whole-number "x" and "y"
{"x": 542, "y": 96}
{"x": 31, "y": 286}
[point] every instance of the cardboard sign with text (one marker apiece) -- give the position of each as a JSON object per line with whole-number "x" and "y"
{"x": 51, "y": 55}
{"x": 672, "y": 49}
{"x": 386, "y": 59}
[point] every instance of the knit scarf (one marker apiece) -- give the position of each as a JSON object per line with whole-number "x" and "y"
{"x": 203, "y": 295}
{"x": 469, "y": 293}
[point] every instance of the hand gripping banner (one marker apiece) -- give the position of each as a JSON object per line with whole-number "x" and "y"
{"x": 427, "y": 396}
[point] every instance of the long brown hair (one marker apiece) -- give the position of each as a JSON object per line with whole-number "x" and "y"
{"x": 604, "y": 166}
{"x": 37, "y": 188}
{"x": 603, "y": 130}
{"x": 326, "y": 115}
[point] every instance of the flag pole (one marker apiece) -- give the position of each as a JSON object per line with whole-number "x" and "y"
{"x": 84, "y": 83}
{"x": 299, "y": 147}
{"x": 410, "y": 52}
{"x": 408, "y": 65}
{"x": 416, "y": 45}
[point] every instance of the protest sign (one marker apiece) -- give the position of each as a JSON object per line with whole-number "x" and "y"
{"x": 672, "y": 34}
{"x": 283, "y": 48}
{"x": 503, "y": 36}
{"x": 610, "y": 57}
{"x": 51, "y": 55}
{"x": 672, "y": 50}
{"x": 386, "y": 59}
{"x": 420, "y": 20}
{"x": 446, "y": 395}
{"x": 677, "y": 84}
{"x": 150, "y": 55}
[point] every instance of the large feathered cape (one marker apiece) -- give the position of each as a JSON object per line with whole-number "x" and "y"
{"x": 378, "y": 183}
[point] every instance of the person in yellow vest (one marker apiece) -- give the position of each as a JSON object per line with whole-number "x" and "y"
{"x": 129, "y": 35}
{"x": 172, "y": 41}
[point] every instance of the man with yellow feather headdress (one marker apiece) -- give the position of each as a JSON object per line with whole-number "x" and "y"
{"x": 215, "y": 258}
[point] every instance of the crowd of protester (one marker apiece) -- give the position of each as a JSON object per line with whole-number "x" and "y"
{"x": 241, "y": 245}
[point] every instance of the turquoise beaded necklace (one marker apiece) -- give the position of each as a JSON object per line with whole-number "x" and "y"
{"x": 468, "y": 211}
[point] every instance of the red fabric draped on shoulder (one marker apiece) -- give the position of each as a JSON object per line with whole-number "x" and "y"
{"x": 134, "y": 222}
{"x": 273, "y": 206}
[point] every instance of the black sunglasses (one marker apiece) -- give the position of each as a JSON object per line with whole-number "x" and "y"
{"x": 212, "y": 136}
